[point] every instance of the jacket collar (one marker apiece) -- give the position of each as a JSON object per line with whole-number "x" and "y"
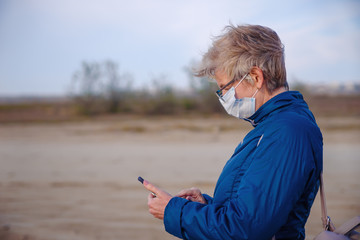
{"x": 279, "y": 102}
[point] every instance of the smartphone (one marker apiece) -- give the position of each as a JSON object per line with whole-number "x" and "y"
{"x": 142, "y": 182}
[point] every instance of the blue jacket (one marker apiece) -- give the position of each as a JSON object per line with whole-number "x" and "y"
{"x": 268, "y": 185}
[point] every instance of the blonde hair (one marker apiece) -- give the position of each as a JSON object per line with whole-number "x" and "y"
{"x": 242, "y": 47}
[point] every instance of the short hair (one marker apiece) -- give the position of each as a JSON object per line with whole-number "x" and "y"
{"x": 242, "y": 47}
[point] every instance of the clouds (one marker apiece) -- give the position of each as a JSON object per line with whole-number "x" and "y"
{"x": 48, "y": 39}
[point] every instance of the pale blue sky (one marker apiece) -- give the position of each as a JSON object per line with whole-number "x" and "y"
{"x": 43, "y": 42}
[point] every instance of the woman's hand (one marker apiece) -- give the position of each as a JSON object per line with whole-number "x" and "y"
{"x": 192, "y": 194}
{"x": 157, "y": 204}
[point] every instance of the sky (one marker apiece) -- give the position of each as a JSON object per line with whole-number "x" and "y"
{"x": 44, "y": 42}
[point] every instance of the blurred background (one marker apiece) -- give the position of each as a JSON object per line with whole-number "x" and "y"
{"x": 94, "y": 93}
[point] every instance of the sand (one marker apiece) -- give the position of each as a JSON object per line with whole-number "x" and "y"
{"x": 78, "y": 180}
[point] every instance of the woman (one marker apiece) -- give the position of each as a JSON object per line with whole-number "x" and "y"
{"x": 268, "y": 186}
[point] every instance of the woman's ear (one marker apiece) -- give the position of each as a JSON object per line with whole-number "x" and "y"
{"x": 257, "y": 76}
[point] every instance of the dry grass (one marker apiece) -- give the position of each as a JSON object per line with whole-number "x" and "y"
{"x": 30, "y": 112}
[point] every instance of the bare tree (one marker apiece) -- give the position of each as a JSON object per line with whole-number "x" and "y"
{"x": 87, "y": 87}
{"x": 117, "y": 87}
{"x": 99, "y": 87}
{"x": 203, "y": 90}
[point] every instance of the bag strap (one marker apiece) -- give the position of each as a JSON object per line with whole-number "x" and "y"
{"x": 326, "y": 221}
{"x": 348, "y": 226}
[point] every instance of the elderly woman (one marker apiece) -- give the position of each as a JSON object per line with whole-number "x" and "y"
{"x": 268, "y": 186}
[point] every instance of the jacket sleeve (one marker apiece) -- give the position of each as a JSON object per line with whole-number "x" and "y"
{"x": 208, "y": 199}
{"x": 267, "y": 193}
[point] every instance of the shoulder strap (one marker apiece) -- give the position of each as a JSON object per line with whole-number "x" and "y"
{"x": 326, "y": 221}
{"x": 348, "y": 226}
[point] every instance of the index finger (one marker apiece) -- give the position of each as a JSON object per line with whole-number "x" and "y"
{"x": 151, "y": 187}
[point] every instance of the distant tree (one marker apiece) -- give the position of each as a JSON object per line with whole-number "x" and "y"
{"x": 99, "y": 87}
{"x": 117, "y": 87}
{"x": 87, "y": 87}
{"x": 163, "y": 100}
{"x": 204, "y": 91}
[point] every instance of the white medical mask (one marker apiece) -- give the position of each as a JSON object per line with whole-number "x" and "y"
{"x": 239, "y": 108}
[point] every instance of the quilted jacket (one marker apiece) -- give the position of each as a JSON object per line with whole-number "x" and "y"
{"x": 268, "y": 185}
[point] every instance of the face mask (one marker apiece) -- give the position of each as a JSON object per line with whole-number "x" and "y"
{"x": 239, "y": 108}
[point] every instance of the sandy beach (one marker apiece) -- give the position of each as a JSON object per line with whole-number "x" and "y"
{"x": 78, "y": 180}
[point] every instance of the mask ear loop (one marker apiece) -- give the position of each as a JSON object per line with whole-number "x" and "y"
{"x": 255, "y": 93}
{"x": 241, "y": 80}
{"x": 238, "y": 83}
